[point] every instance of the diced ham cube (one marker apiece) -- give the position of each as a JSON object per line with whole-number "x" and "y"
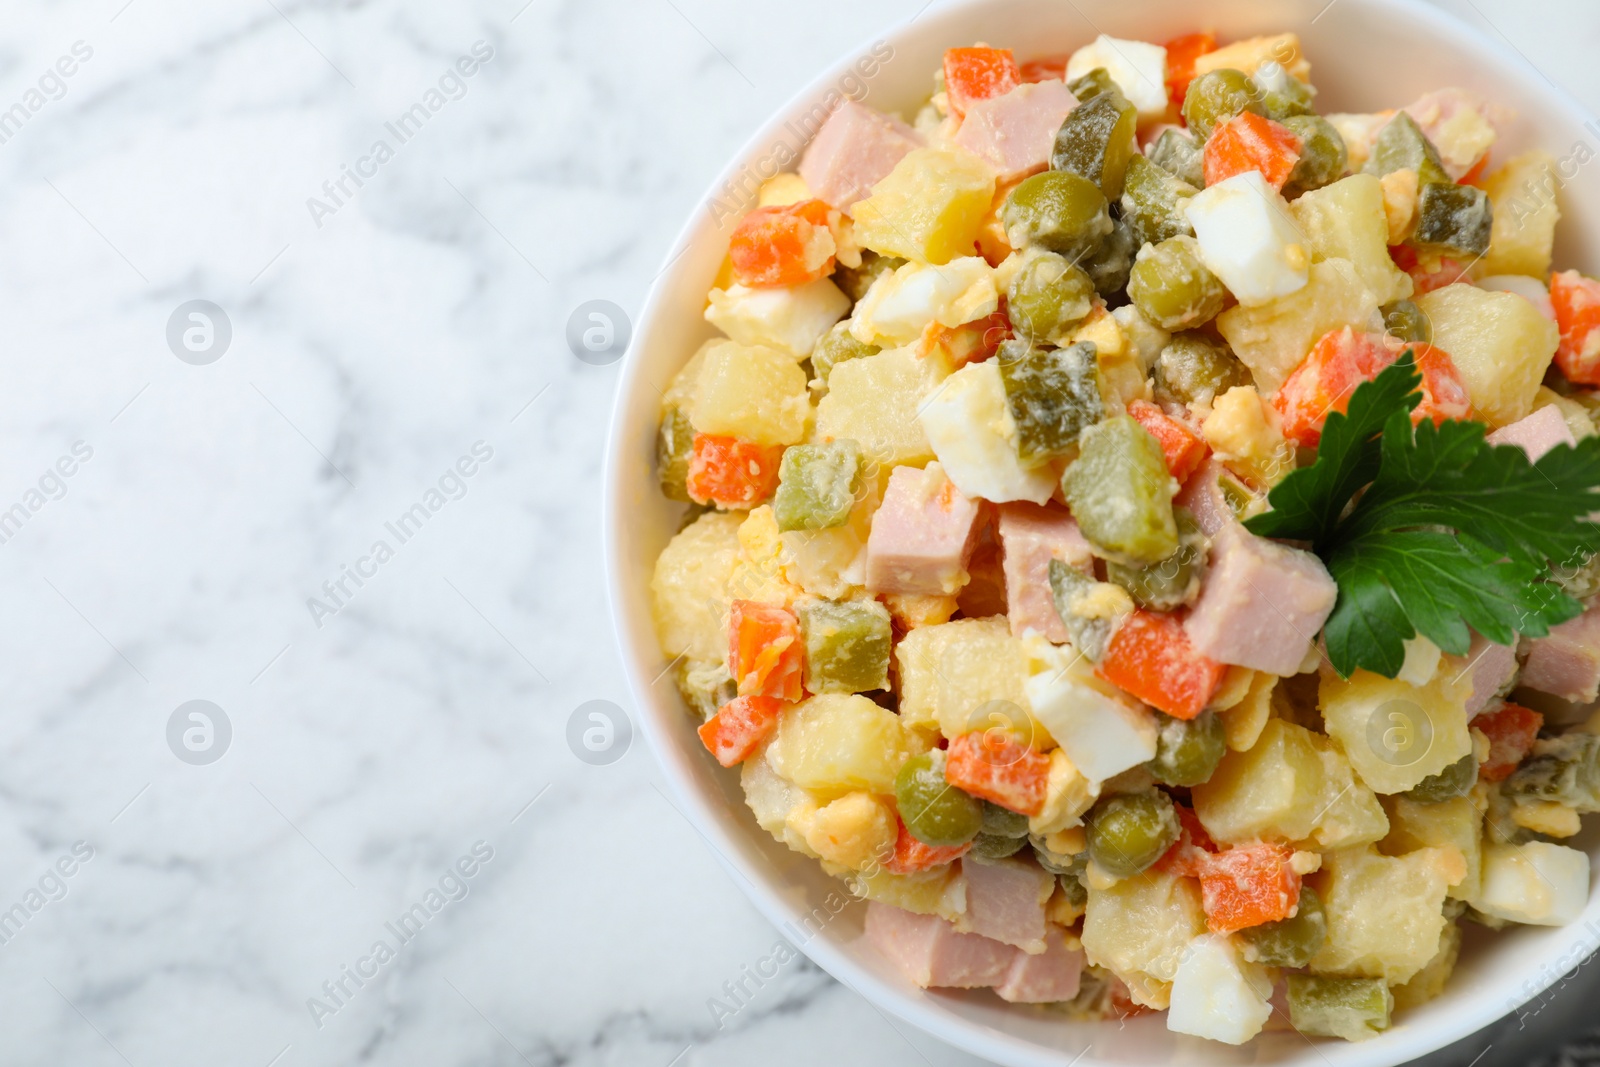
{"x": 1015, "y": 132}
{"x": 1005, "y": 901}
{"x": 1202, "y": 495}
{"x": 933, "y": 953}
{"x": 922, "y": 536}
{"x": 1536, "y": 434}
{"x": 1030, "y": 537}
{"x": 1047, "y": 978}
{"x": 1262, "y": 603}
{"x": 855, "y": 149}
{"x": 1492, "y": 666}
{"x": 1566, "y": 664}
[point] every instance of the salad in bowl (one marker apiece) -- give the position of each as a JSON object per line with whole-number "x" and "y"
{"x": 1137, "y": 534}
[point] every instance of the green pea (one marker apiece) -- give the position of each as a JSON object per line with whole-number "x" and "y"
{"x": 1055, "y": 862}
{"x": 1120, "y": 492}
{"x": 1172, "y": 583}
{"x": 1003, "y": 822}
{"x": 1406, "y": 321}
{"x": 1217, "y": 96}
{"x": 674, "y": 443}
{"x": 1171, "y": 286}
{"x": 1285, "y": 96}
{"x": 1323, "y": 156}
{"x": 1092, "y": 84}
{"x": 1196, "y": 369}
{"x": 1109, "y": 265}
{"x": 1401, "y": 145}
{"x": 1176, "y": 153}
{"x": 1072, "y": 885}
{"x": 1453, "y": 219}
{"x": 832, "y": 349}
{"x": 1130, "y": 831}
{"x": 1052, "y": 394}
{"x": 1455, "y": 780}
{"x": 1058, "y": 211}
{"x": 1351, "y": 1008}
{"x": 995, "y": 846}
{"x": 936, "y": 812}
{"x": 1293, "y": 941}
{"x": 1153, "y": 203}
{"x": 1565, "y": 769}
{"x": 1187, "y": 753}
{"x": 855, "y": 281}
{"x": 1047, "y": 297}
{"x": 1097, "y": 140}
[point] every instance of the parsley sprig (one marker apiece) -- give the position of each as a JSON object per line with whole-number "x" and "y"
{"x": 1450, "y": 532}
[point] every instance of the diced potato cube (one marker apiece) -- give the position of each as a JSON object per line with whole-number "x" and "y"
{"x": 689, "y": 590}
{"x": 940, "y": 891}
{"x": 971, "y": 430}
{"x": 1385, "y": 914}
{"x": 680, "y": 391}
{"x": 1217, "y": 995}
{"x": 1498, "y": 341}
{"x": 948, "y": 671}
{"x": 837, "y": 743}
{"x": 1351, "y": 814}
{"x": 1243, "y": 721}
{"x": 930, "y": 207}
{"x": 874, "y": 401}
{"x": 1139, "y": 928}
{"x": 756, "y": 394}
{"x": 788, "y": 319}
{"x": 1455, "y": 823}
{"x": 1395, "y": 734}
{"x": 831, "y": 563}
{"x": 1538, "y": 883}
{"x": 1346, "y": 220}
{"x": 1272, "y": 339}
{"x": 1429, "y": 982}
{"x": 1525, "y": 214}
{"x": 898, "y": 308}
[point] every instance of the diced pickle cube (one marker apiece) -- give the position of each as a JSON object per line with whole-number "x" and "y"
{"x": 1563, "y": 769}
{"x": 1097, "y": 140}
{"x": 817, "y": 485}
{"x": 1173, "y": 582}
{"x": 1059, "y": 211}
{"x": 1092, "y": 84}
{"x": 1176, "y": 153}
{"x": 834, "y": 347}
{"x": 1351, "y": 1008}
{"x": 1152, "y": 203}
{"x": 1120, "y": 492}
{"x": 1052, "y": 394}
{"x": 1453, "y": 219}
{"x": 1090, "y": 610}
{"x": 847, "y": 645}
{"x": 1323, "y": 156}
{"x": 1401, "y": 145}
{"x": 674, "y": 444}
{"x": 704, "y": 686}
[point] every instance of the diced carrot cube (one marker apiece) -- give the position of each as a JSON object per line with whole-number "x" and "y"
{"x": 781, "y": 246}
{"x": 1427, "y": 272}
{"x": 995, "y": 765}
{"x": 765, "y": 654}
{"x": 971, "y": 342}
{"x": 911, "y": 855}
{"x": 1183, "y": 448}
{"x": 973, "y": 74}
{"x": 739, "y": 727}
{"x": 1250, "y": 142}
{"x": 1511, "y": 731}
{"x": 1181, "y": 54}
{"x": 1194, "y": 846}
{"x": 1576, "y": 300}
{"x": 1150, "y": 657}
{"x": 1474, "y": 176}
{"x": 732, "y": 473}
{"x": 1248, "y": 885}
{"x": 1341, "y": 360}
{"x": 1046, "y": 68}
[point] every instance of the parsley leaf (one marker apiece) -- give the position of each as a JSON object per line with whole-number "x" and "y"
{"x": 1450, "y": 532}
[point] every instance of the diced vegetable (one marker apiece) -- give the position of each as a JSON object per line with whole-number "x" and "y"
{"x": 1090, "y": 610}
{"x": 928, "y": 209}
{"x": 1404, "y": 321}
{"x": 1499, "y": 342}
{"x": 1564, "y": 769}
{"x": 990, "y": 847}
{"x": 705, "y": 687}
{"x": 1249, "y": 142}
{"x": 1272, "y": 339}
{"x": 817, "y": 485}
{"x": 1172, "y": 287}
{"x": 1397, "y": 734}
{"x": 1352, "y": 1008}
{"x": 855, "y": 281}
{"x": 846, "y": 645}
{"x": 689, "y": 590}
{"x": 1385, "y": 913}
{"x": 1577, "y": 305}
{"x": 1053, "y": 396}
{"x": 1120, "y": 492}
{"x": 836, "y": 346}
{"x": 1130, "y": 831}
{"x": 1345, "y": 220}
{"x": 1512, "y": 731}
{"x": 1187, "y": 751}
{"x": 935, "y": 812}
{"x": 1046, "y": 68}
{"x": 1111, "y": 264}
{"x": 1323, "y": 157}
{"x": 1175, "y": 581}
{"x": 973, "y": 74}
{"x": 1454, "y": 823}
{"x": 1150, "y": 656}
{"x": 788, "y": 245}
{"x": 1456, "y": 780}
{"x": 1291, "y": 941}
{"x": 994, "y": 765}
{"x": 1059, "y": 211}
{"x": 873, "y": 401}
{"x": 1047, "y": 297}
{"x": 836, "y": 743}
{"x": 1176, "y": 153}
{"x": 1140, "y": 928}
{"x": 1097, "y": 140}
{"x": 1453, "y": 220}
{"x": 912, "y": 856}
{"x": 753, "y": 393}
{"x": 674, "y": 445}
{"x": 1193, "y": 369}
{"x": 1282, "y": 95}
{"x": 1182, "y": 447}
{"x": 1248, "y": 885}
{"x": 1401, "y": 145}
{"x": 1525, "y": 215}
{"x": 1153, "y": 201}
{"x": 765, "y": 653}
{"x": 1181, "y": 54}
{"x": 1215, "y": 97}
{"x": 731, "y": 473}
{"x": 739, "y": 727}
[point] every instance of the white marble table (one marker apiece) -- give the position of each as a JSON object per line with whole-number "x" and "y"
{"x": 386, "y": 339}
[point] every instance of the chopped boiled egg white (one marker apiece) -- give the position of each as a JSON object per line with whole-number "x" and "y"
{"x": 1530, "y": 289}
{"x": 898, "y": 307}
{"x": 1538, "y": 883}
{"x": 1139, "y": 69}
{"x": 791, "y": 319}
{"x": 971, "y": 430}
{"x": 1248, "y": 239}
{"x": 1102, "y": 730}
{"x": 1216, "y": 994}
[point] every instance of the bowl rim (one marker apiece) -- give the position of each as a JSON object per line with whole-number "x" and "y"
{"x": 1395, "y": 1047}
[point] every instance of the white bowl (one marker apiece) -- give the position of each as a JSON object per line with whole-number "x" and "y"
{"x": 1365, "y": 55}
